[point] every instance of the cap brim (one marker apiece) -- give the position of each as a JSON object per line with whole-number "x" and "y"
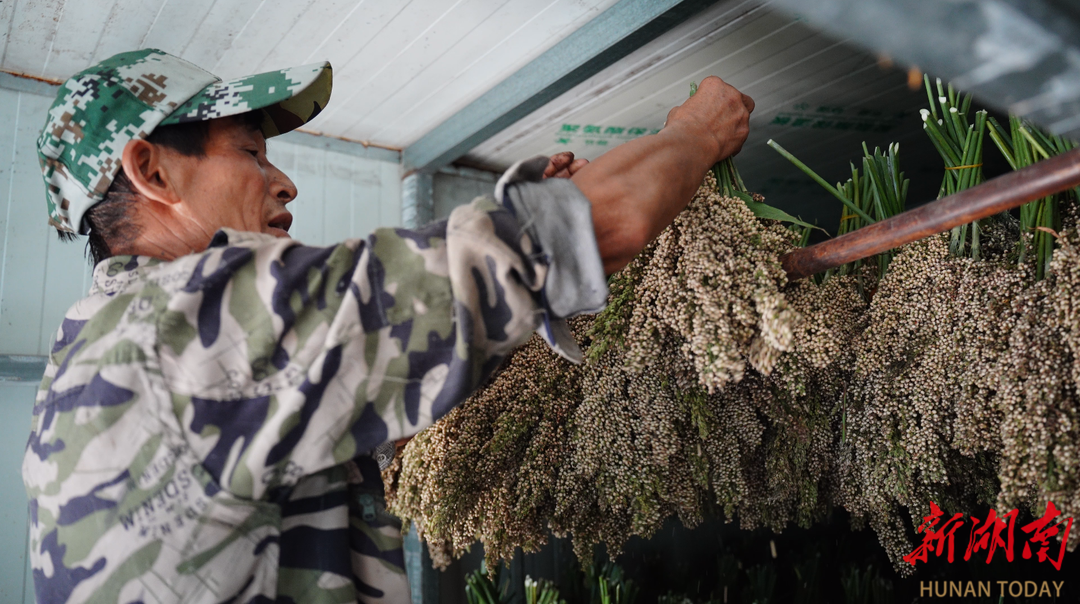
{"x": 289, "y": 98}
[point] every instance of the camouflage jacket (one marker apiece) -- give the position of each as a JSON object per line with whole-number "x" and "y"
{"x": 200, "y": 429}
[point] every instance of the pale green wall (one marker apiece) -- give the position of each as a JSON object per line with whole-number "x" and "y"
{"x": 16, "y": 402}
{"x": 39, "y": 276}
{"x": 340, "y": 196}
{"x": 452, "y": 187}
{"x": 39, "y": 279}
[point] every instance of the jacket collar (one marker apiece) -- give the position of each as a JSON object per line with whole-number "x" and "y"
{"x": 114, "y": 274}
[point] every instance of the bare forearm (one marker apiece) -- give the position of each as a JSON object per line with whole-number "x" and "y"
{"x": 639, "y": 187}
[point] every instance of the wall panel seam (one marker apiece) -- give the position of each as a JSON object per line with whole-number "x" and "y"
{"x": 10, "y": 192}
{"x": 44, "y": 289}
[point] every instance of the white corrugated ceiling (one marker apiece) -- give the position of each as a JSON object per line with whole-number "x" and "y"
{"x": 401, "y": 67}
{"x": 818, "y": 96}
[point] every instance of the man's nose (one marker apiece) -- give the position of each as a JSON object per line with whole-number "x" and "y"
{"x": 281, "y": 186}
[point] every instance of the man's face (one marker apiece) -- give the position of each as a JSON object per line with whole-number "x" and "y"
{"x": 234, "y": 185}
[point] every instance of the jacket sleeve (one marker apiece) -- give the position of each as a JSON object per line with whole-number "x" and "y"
{"x": 283, "y": 359}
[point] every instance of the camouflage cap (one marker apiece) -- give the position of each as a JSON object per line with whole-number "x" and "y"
{"x": 125, "y": 97}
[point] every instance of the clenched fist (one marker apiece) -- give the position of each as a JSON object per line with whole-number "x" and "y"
{"x": 717, "y": 109}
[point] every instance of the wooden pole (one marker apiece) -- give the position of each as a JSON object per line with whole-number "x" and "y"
{"x": 991, "y": 197}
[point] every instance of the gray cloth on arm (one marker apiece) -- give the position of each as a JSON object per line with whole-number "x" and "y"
{"x": 576, "y": 283}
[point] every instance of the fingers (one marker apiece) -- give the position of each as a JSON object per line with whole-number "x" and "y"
{"x": 724, "y": 89}
{"x": 744, "y": 130}
{"x": 713, "y": 85}
{"x": 563, "y": 165}
{"x": 721, "y": 110}
{"x": 560, "y": 162}
{"x": 748, "y": 103}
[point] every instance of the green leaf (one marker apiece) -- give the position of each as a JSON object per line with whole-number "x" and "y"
{"x": 766, "y": 211}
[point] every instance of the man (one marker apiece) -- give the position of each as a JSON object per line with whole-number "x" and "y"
{"x": 202, "y": 428}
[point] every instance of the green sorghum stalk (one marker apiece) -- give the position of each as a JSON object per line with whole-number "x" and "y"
{"x": 959, "y": 141}
{"x": 1022, "y": 145}
{"x": 878, "y": 192}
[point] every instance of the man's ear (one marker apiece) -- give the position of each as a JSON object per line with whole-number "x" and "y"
{"x": 151, "y": 173}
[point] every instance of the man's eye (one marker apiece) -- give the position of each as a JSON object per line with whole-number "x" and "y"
{"x": 253, "y": 152}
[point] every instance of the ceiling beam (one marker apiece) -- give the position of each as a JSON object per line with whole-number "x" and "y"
{"x": 1020, "y": 56}
{"x": 610, "y": 36}
{"x": 21, "y": 83}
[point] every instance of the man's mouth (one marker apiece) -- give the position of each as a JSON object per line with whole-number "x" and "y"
{"x": 280, "y": 223}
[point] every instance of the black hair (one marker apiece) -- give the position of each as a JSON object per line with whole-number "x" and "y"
{"x": 111, "y": 221}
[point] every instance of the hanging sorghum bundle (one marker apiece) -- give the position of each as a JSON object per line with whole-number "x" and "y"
{"x": 713, "y": 284}
{"x": 921, "y": 423}
{"x": 1036, "y": 391}
{"x": 487, "y": 470}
